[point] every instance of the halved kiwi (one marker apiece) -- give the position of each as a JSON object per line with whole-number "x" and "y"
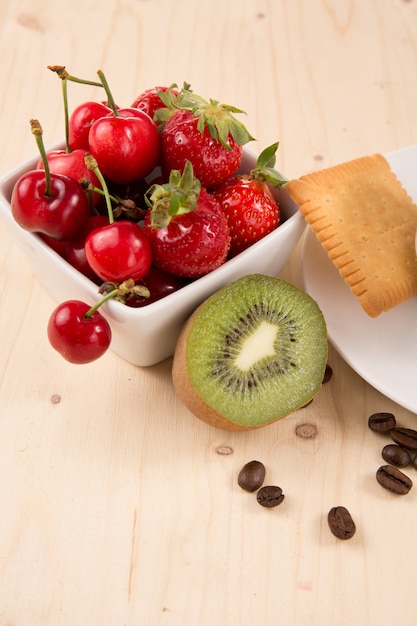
{"x": 252, "y": 353}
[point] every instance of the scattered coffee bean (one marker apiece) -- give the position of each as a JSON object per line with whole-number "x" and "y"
{"x": 393, "y": 479}
{"x": 414, "y": 462}
{"x": 381, "y": 422}
{"x": 405, "y": 437}
{"x": 328, "y": 373}
{"x": 341, "y": 523}
{"x": 396, "y": 455}
{"x": 270, "y": 496}
{"x": 251, "y": 476}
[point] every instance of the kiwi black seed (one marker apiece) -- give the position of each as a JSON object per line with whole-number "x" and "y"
{"x": 253, "y": 352}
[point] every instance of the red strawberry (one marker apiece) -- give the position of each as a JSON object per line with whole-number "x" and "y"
{"x": 149, "y": 101}
{"x": 186, "y": 226}
{"x": 250, "y": 207}
{"x": 205, "y": 133}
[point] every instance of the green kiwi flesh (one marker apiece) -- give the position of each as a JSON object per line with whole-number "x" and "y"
{"x": 252, "y": 353}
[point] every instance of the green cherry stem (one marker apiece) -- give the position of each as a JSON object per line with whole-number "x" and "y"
{"x": 110, "y": 99}
{"x": 89, "y": 187}
{"x": 63, "y": 74}
{"x": 64, "y": 84}
{"x": 65, "y": 77}
{"x": 121, "y": 205}
{"x": 92, "y": 165}
{"x": 108, "y": 296}
{"x": 37, "y": 132}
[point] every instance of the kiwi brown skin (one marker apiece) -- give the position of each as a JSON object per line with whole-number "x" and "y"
{"x": 191, "y": 398}
{"x": 188, "y": 393}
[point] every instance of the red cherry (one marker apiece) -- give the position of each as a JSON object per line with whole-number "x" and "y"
{"x": 79, "y": 335}
{"x": 119, "y": 251}
{"x": 75, "y": 249}
{"x": 126, "y": 146}
{"x": 60, "y": 247}
{"x": 61, "y": 214}
{"x": 80, "y": 122}
{"x": 71, "y": 164}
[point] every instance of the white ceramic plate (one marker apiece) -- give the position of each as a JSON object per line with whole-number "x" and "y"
{"x": 382, "y": 350}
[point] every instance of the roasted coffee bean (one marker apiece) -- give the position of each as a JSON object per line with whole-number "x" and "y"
{"x": 328, "y": 373}
{"x": 414, "y": 462}
{"x": 251, "y": 476}
{"x": 393, "y": 479}
{"x": 270, "y": 496}
{"x": 381, "y": 422}
{"x": 396, "y": 455}
{"x": 405, "y": 437}
{"x": 341, "y": 523}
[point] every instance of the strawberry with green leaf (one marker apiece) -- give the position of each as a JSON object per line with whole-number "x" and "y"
{"x": 206, "y": 133}
{"x": 186, "y": 226}
{"x": 248, "y": 202}
{"x": 149, "y": 101}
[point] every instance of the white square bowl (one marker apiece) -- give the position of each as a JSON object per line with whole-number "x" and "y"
{"x": 147, "y": 335}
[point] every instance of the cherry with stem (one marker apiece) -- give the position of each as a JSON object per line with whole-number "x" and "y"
{"x": 50, "y": 203}
{"x": 79, "y": 332}
{"x": 119, "y": 250}
{"x": 78, "y": 124}
{"x": 61, "y": 71}
{"x": 125, "y": 143}
{"x": 70, "y": 160}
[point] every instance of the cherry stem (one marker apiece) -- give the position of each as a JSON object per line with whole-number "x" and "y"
{"x": 98, "y": 304}
{"x": 92, "y": 165}
{"x": 37, "y": 132}
{"x": 88, "y": 186}
{"x": 64, "y": 75}
{"x": 66, "y": 114}
{"x": 110, "y": 100}
{"x": 120, "y": 291}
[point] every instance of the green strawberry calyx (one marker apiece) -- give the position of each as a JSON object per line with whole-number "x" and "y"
{"x": 218, "y": 118}
{"x": 265, "y": 171}
{"x": 176, "y": 197}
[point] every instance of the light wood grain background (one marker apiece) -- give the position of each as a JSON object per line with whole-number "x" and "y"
{"x": 117, "y": 507}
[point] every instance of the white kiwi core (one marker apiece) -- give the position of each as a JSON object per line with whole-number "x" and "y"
{"x": 260, "y": 344}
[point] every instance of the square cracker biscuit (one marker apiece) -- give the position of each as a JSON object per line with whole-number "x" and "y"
{"x": 367, "y": 223}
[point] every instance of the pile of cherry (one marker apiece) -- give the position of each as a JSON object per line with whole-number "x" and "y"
{"x": 142, "y": 200}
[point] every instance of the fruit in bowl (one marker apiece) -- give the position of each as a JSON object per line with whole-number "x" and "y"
{"x": 145, "y": 320}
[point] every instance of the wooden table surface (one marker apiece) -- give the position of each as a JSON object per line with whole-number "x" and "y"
{"x": 118, "y": 508}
